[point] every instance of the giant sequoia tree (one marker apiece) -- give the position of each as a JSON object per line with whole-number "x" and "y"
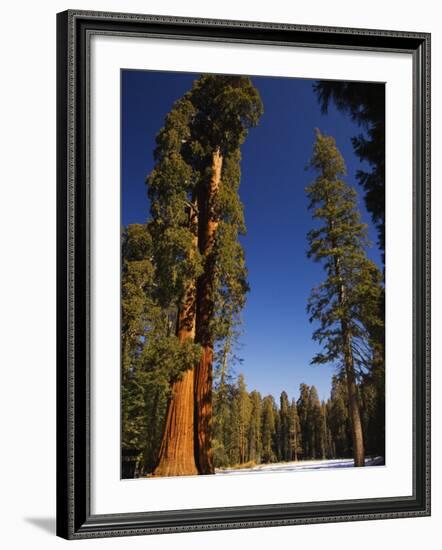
{"x": 346, "y": 305}
{"x": 196, "y": 219}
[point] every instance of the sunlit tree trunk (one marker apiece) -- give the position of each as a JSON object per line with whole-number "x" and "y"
{"x": 205, "y": 306}
{"x": 177, "y": 450}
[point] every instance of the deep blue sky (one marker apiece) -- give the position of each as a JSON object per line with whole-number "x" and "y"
{"x": 275, "y": 344}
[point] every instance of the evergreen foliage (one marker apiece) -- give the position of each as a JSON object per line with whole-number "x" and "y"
{"x": 366, "y": 106}
{"x": 346, "y": 306}
{"x": 152, "y": 356}
{"x": 182, "y": 296}
{"x": 254, "y": 430}
{"x": 197, "y": 272}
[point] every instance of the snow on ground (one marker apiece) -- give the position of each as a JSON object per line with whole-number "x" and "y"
{"x": 302, "y": 466}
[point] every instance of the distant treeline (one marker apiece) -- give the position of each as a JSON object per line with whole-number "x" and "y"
{"x": 250, "y": 428}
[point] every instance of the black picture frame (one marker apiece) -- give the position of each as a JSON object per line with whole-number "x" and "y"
{"x": 74, "y": 518}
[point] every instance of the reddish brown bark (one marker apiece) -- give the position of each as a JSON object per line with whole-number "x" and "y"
{"x": 203, "y": 371}
{"x": 177, "y": 456}
{"x": 177, "y": 450}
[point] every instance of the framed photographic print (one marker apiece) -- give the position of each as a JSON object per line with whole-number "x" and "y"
{"x": 243, "y": 274}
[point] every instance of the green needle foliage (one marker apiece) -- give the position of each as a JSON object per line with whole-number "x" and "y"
{"x": 137, "y": 280}
{"x": 366, "y": 106}
{"x": 339, "y": 419}
{"x": 164, "y": 259}
{"x": 216, "y": 113}
{"x": 171, "y": 189}
{"x": 346, "y": 306}
{"x": 284, "y": 424}
{"x": 352, "y": 290}
{"x": 152, "y": 356}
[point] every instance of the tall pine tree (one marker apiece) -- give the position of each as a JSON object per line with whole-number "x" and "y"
{"x": 295, "y": 432}
{"x": 284, "y": 427}
{"x": 254, "y": 436}
{"x": 348, "y": 300}
{"x": 315, "y": 421}
{"x": 302, "y": 406}
{"x": 268, "y": 428}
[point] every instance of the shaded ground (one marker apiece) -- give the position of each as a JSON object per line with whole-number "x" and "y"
{"x": 302, "y": 465}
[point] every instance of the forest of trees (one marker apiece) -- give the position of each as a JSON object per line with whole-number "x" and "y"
{"x": 252, "y": 429}
{"x": 184, "y": 284}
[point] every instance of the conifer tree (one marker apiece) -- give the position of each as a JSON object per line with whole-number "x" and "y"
{"x": 197, "y": 217}
{"x": 339, "y": 420}
{"x": 268, "y": 429}
{"x": 224, "y": 389}
{"x": 254, "y": 435}
{"x": 284, "y": 427}
{"x": 137, "y": 271}
{"x": 172, "y": 192}
{"x": 302, "y": 406}
{"x": 372, "y": 390}
{"x": 295, "y": 432}
{"x": 241, "y": 409}
{"x": 366, "y": 106}
{"x": 276, "y": 439}
{"x": 227, "y": 106}
{"x": 315, "y": 422}
{"x": 348, "y": 300}
{"x": 327, "y": 441}
{"x": 151, "y": 352}
{"x": 246, "y": 428}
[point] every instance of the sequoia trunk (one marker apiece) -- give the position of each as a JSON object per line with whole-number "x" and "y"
{"x": 177, "y": 447}
{"x": 203, "y": 372}
{"x": 177, "y": 450}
